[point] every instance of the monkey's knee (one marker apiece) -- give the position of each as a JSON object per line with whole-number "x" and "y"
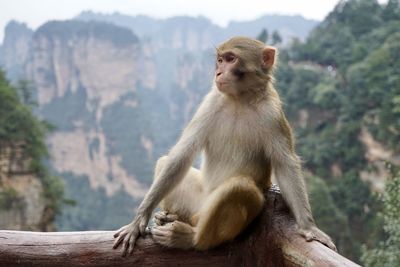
{"x": 159, "y": 166}
{"x": 227, "y": 212}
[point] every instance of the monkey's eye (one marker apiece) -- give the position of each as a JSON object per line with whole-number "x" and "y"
{"x": 229, "y": 57}
{"x": 219, "y": 60}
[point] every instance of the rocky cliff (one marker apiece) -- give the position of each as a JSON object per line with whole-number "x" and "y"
{"x": 118, "y": 100}
{"x": 96, "y": 65}
{"x": 15, "y": 50}
{"x": 22, "y": 205}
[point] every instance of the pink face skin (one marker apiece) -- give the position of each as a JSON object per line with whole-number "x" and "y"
{"x": 224, "y": 78}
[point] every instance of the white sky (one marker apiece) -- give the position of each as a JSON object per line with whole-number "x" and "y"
{"x": 36, "y": 12}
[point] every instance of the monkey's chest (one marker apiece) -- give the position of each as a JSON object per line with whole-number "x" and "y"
{"x": 232, "y": 150}
{"x": 235, "y": 139}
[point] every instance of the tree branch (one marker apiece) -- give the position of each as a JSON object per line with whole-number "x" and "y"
{"x": 271, "y": 240}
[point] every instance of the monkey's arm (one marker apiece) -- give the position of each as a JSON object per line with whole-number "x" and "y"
{"x": 179, "y": 161}
{"x": 288, "y": 173}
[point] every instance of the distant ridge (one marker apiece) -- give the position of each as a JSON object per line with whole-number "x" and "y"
{"x": 158, "y": 29}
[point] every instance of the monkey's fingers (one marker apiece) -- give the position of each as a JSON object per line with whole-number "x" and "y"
{"x": 158, "y": 222}
{"x": 165, "y": 217}
{"x": 119, "y": 240}
{"x": 324, "y": 239}
{"x": 319, "y": 236}
{"x": 327, "y": 242}
{"x": 159, "y": 231}
{"x": 308, "y": 235}
{"x": 126, "y": 246}
{"x": 120, "y": 230}
{"x": 161, "y": 213}
{"x": 130, "y": 243}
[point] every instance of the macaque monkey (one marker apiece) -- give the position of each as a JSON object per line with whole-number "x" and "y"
{"x": 242, "y": 130}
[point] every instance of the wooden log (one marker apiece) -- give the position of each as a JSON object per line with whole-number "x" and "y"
{"x": 271, "y": 240}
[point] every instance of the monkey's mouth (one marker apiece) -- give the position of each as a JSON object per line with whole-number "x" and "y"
{"x": 222, "y": 86}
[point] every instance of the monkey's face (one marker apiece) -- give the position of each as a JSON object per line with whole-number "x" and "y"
{"x": 228, "y": 72}
{"x": 243, "y": 66}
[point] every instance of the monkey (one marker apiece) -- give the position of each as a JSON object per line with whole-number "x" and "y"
{"x": 244, "y": 135}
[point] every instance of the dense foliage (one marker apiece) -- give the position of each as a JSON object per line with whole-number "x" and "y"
{"x": 343, "y": 80}
{"x": 387, "y": 253}
{"x": 19, "y": 124}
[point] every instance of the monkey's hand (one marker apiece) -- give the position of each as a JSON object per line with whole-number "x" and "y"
{"x": 128, "y": 234}
{"x": 313, "y": 233}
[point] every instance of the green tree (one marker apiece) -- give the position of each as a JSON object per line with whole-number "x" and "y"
{"x": 19, "y": 124}
{"x": 276, "y": 38}
{"x": 344, "y": 80}
{"x": 391, "y": 10}
{"x": 25, "y": 90}
{"x": 387, "y": 253}
{"x": 263, "y": 36}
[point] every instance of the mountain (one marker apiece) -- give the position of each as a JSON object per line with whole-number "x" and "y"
{"x": 116, "y": 107}
{"x": 15, "y": 49}
{"x": 194, "y": 33}
{"x": 118, "y": 89}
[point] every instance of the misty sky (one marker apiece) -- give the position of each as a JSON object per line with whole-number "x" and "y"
{"x": 36, "y": 12}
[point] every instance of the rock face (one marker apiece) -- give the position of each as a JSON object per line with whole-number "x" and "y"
{"x": 378, "y": 156}
{"x": 67, "y": 56}
{"x": 118, "y": 101}
{"x": 100, "y": 86}
{"x": 22, "y": 205}
{"x": 14, "y": 52}
{"x": 98, "y": 64}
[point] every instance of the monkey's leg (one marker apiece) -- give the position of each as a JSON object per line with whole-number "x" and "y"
{"x": 178, "y": 207}
{"x": 184, "y": 200}
{"x": 227, "y": 211}
{"x": 224, "y": 214}
{"x": 176, "y": 234}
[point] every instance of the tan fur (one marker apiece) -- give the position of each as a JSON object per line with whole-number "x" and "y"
{"x": 227, "y": 211}
{"x": 222, "y": 215}
{"x": 241, "y": 128}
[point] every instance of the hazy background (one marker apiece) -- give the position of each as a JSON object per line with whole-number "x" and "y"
{"x": 93, "y": 92}
{"x": 35, "y": 13}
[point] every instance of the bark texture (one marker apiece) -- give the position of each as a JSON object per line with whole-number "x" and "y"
{"x": 271, "y": 240}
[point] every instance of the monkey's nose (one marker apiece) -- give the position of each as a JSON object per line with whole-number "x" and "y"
{"x": 218, "y": 73}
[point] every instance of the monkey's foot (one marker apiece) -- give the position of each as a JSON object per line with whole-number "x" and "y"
{"x": 163, "y": 217}
{"x": 176, "y": 234}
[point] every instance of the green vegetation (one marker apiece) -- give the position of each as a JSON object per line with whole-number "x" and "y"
{"x": 387, "y": 252}
{"x": 19, "y": 124}
{"x": 344, "y": 78}
{"x": 63, "y": 112}
{"x": 8, "y": 198}
{"x": 263, "y": 37}
{"x": 329, "y": 216}
{"x": 275, "y": 37}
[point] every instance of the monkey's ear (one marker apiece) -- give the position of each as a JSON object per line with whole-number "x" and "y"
{"x": 268, "y": 56}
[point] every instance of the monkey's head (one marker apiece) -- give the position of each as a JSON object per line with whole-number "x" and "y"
{"x": 243, "y": 65}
